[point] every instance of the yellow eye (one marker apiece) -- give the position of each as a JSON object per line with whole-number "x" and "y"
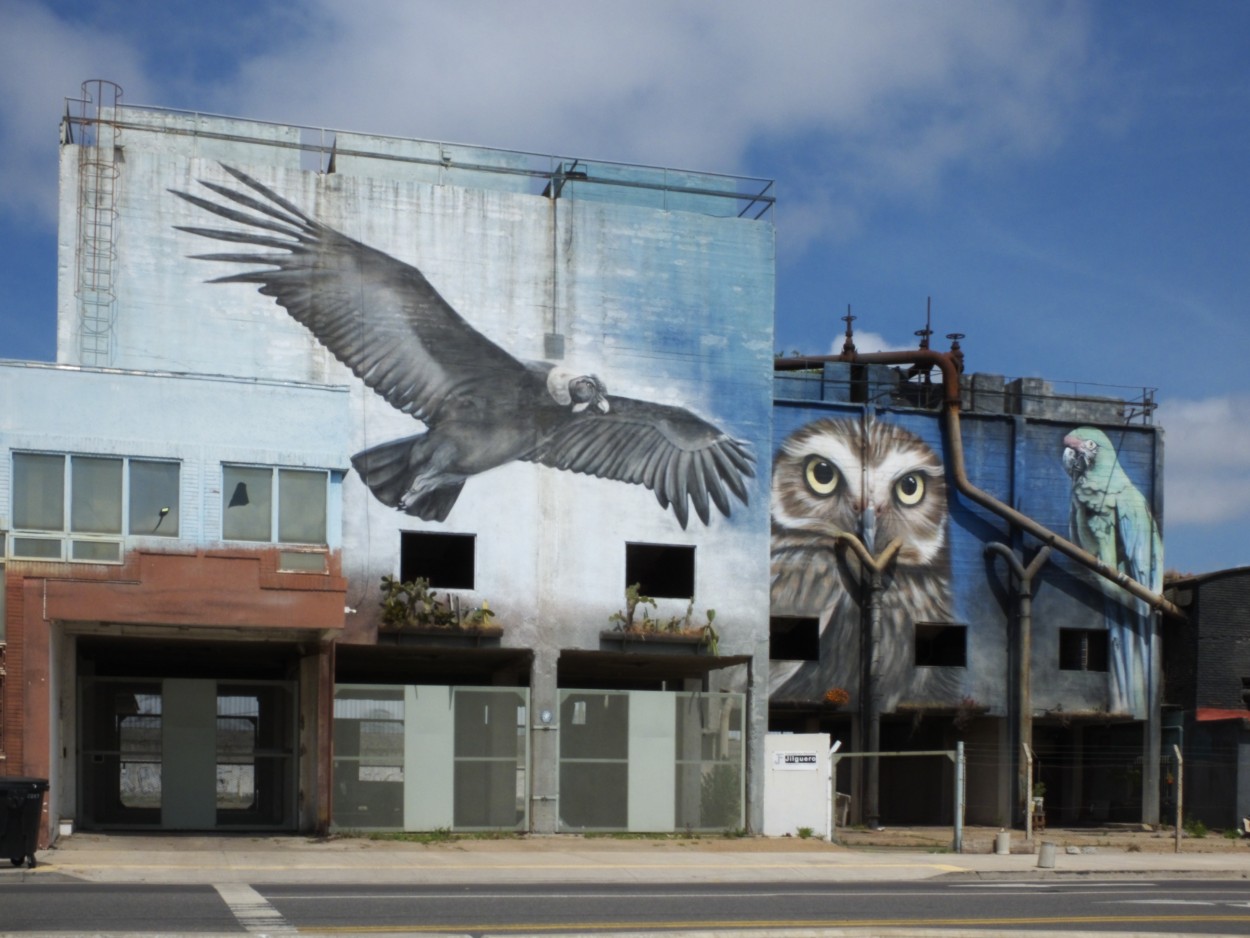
{"x": 909, "y": 490}
{"x": 821, "y": 475}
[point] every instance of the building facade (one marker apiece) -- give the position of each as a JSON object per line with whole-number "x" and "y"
{"x": 1207, "y": 699}
{"x": 390, "y": 484}
{"x": 921, "y": 598}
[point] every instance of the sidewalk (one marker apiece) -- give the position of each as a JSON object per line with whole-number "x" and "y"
{"x": 904, "y": 855}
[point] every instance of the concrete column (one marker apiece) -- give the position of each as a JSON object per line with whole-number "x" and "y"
{"x": 316, "y": 770}
{"x": 1152, "y": 729}
{"x": 544, "y": 742}
{"x": 756, "y": 719}
{"x": 1242, "y": 768}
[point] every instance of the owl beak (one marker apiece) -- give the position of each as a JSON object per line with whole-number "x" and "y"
{"x": 870, "y": 527}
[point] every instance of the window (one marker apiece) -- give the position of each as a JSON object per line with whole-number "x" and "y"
{"x": 445, "y": 561}
{"x": 793, "y": 638}
{"x": 259, "y": 500}
{"x": 941, "y": 645}
{"x": 662, "y": 570}
{"x": 1082, "y": 650}
{"x": 102, "y": 497}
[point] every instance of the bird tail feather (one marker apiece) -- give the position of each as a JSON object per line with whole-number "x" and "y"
{"x": 389, "y": 469}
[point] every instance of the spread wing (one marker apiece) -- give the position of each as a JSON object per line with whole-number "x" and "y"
{"x": 1139, "y": 543}
{"x": 808, "y": 573}
{"x": 682, "y": 458}
{"x": 379, "y": 316}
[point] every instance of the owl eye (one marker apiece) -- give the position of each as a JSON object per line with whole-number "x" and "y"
{"x": 821, "y": 475}
{"x": 909, "y": 490}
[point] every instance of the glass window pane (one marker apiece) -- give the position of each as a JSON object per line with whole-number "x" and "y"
{"x": 37, "y": 548}
{"x": 96, "y": 500}
{"x": 154, "y": 498}
{"x": 301, "y": 506}
{"x": 247, "y": 505}
{"x": 38, "y": 492}
{"x": 96, "y": 551}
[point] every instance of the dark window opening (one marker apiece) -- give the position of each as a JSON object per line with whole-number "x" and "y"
{"x": 939, "y": 645}
{"x": 444, "y": 560}
{"x": 662, "y": 570}
{"x": 793, "y": 638}
{"x": 859, "y": 384}
{"x": 1082, "y": 650}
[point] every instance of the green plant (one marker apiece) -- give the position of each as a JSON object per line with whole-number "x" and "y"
{"x": 1195, "y": 828}
{"x": 440, "y": 836}
{"x": 412, "y": 604}
{"x": 633, "y": 599}
{"x": 677, "y": 625}
{"x": 710, "y": 635}
{"x": 481, "y": 616}
{"x": 804, "y": 833}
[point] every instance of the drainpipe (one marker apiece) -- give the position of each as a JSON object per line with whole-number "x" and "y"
{"x": 870, "y": 709}
{"x": 951, "y": 365}
{"x": 1024, "y": 613}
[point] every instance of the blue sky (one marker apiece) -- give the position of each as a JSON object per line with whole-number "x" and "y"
{"x": 1067, "y": 182}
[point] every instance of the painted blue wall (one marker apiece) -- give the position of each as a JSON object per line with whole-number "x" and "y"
{"x": 1019, "y": 461}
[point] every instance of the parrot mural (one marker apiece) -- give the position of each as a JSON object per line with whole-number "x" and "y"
{"x": 1111, "y": 519}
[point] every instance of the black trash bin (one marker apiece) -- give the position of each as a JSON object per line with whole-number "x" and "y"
{"x": 21, "y": 805}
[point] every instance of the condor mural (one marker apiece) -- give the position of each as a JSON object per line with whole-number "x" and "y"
{"x": 867, "y": 478}
{"x": 481, "y": 407}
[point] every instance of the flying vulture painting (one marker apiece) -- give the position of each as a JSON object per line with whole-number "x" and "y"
{"x": 481, "y": 407}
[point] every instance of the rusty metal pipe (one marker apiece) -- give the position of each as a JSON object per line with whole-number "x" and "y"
{"x": 951, "y": 365}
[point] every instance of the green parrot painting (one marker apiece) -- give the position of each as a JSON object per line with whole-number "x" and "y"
{"x": 1110, "y": 518}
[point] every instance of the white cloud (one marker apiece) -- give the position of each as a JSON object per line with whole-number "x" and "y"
{"x": 870, "y": 100}
{"x": 43, "y": 60}
{"x": 1206, "y": 459}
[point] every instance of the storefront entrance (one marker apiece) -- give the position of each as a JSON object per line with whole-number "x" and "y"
{"x": 187, "y": 754}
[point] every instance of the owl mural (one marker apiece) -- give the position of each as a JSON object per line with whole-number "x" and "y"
{"x": 879, "y": 482}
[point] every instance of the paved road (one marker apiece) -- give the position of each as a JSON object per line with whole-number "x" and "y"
{"x": 1136, "y": 906}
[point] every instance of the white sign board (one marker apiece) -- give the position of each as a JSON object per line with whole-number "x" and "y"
{"x": 796, "y": 786}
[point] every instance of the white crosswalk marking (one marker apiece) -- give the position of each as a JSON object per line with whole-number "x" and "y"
{"x": 253, "y": 911}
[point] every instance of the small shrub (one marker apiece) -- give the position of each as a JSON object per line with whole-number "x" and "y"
{"x": 1195, "y": 829}
{"x": 805, "y": 832}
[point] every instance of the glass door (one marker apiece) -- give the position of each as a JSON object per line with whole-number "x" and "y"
{"x": 255, "y": 746}
{"x": 121, "y": 777}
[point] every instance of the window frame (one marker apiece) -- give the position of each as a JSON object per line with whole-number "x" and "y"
{"x": 458, "y": 573}
{"x": 643, "y": 559}
{"x": 1092, "y": 654}
{"x": 275, "y": 502}
{"x": 789, "y": 635}
{"x": 938, "y": 645}
{"x": 67, "y": 542}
